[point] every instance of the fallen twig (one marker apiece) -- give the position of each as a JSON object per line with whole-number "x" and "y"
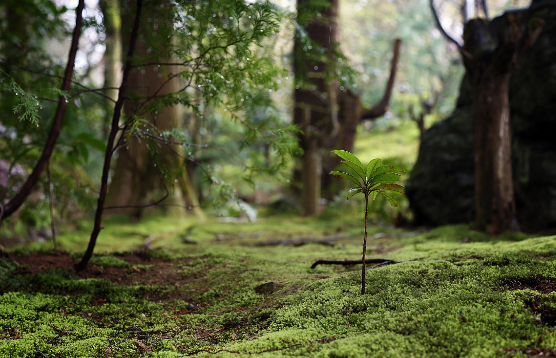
{"x": 39, "y": 353}
{"x": 378, "y": 262}
{"x": 351, "y": 262}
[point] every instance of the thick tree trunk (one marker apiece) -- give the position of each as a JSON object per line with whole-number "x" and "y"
{"x": 112, "y": 55}
{"x": 137, "y": 180}
{"x": 494, "y": 194}
{"x": 489, "y": 59}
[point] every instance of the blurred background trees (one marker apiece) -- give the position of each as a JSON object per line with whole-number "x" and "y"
{"x": 207, "y": 125}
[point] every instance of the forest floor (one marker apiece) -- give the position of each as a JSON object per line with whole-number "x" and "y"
{"x": 166, "y": 288}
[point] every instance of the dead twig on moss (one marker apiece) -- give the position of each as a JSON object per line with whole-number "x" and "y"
{"x": 39, "y": 353}
{"x": 378, "y": 262}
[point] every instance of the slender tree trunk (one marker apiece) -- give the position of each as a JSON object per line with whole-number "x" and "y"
{"x": 311, "y": 176}
{"x": 114, "y": 129}
{"x": 56, "y": 128}
{"x": 51, "y": 206}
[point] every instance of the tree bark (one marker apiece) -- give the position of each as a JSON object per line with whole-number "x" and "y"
{"x": 494, "y": 194}
{"x": 56, "y": 128}
{"x": 489, "y": 59}
{"x": 112, "y": 55}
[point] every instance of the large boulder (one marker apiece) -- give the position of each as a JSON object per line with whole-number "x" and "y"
{"x": 441, "y": 186}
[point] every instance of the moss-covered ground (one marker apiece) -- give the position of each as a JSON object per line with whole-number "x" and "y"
{"x": 199, "y": 290}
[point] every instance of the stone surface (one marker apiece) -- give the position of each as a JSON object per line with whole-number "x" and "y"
{"x": 441, "y": 186}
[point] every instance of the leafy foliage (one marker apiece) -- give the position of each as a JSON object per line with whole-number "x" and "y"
{"x": 371, "y": 179}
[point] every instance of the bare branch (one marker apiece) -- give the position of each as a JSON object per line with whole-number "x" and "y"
{"x": 379, "y": 109}
{"x": 442, "y": 29}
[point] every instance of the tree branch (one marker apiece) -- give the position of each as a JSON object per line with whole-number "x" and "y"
{"x": 350, "y": 262}
{"x": 442, "y": 29}
{"x": 378, "y": 262}
{"x": 379, "y": 109}
{"x": 55, "y": 130}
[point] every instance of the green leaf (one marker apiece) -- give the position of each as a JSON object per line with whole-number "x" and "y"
{"x": 354, "y": 191}
{"x": 346, "y": 176}
{"x": 391, "y": 187}
{"x": 348, "y": 157}
{"x": 375, "y": 185}
{"x": 373, "y": 164}
{"x": 355, "y": 168}
{"x": 373, "y": 194}
{"x": 390, "y": 199}
{"x": 387, "y": 178}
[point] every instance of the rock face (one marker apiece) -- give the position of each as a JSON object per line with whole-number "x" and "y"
{"x": 441, "y": 186}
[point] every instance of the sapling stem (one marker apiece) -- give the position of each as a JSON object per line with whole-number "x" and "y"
{"x": 365, "y": 245}
{"x": 370, "y": 180}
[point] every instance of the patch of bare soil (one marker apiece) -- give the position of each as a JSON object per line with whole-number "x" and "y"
{"x": 143, "y": 270}
{"x": 531, "y": 351}
{"x": 537, "y": 283}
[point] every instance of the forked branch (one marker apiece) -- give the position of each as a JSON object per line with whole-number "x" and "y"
{"x": 379, "y": 109}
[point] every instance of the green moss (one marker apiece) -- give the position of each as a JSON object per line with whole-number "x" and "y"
{"x": 458, "y": 299}
{"x": 108, "y": 261}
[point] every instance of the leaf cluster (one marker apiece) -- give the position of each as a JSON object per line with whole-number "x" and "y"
{"x": 371, "y": 179}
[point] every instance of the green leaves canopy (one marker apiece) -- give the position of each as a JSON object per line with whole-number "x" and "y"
{"x": 371, "y": 179}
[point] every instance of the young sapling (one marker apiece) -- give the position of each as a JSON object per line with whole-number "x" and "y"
{"x": 370, "y": 180}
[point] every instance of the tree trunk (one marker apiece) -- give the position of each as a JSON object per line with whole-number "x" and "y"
{"x": 112, "y": 56}
{"x": 494, "y": 193}
{"x": 114, "y": 129}
{"x": 489, "y": 61}
{"x": 315, "y": 104}
{"x": 137, "y": 180}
